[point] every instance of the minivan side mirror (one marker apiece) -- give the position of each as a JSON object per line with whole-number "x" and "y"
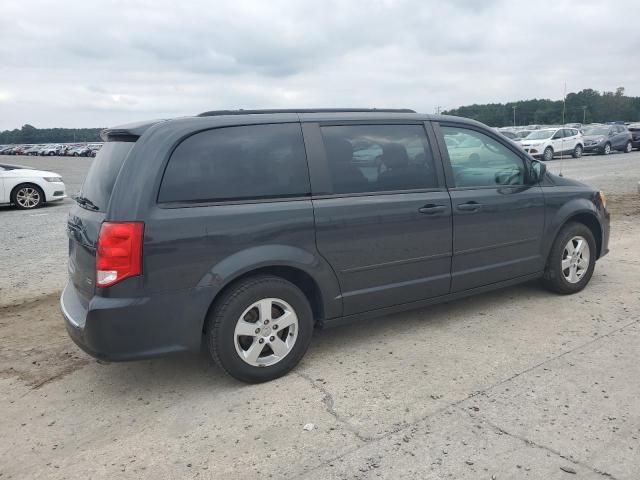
{"x": 538, "y": 171}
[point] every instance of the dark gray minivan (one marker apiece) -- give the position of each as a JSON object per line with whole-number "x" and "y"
{"x": 246, "y": 229}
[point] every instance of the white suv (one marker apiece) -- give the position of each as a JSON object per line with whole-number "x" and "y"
{"x": 548, "y": 142}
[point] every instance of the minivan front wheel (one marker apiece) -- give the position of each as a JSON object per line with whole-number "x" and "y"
{"x": 260, "y": 329}
{"x": 571, "y": 260}
{"x": 547, "y": 156}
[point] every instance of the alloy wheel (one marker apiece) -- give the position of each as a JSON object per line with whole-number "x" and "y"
{"x": 266, "y": 332}
{"x": 575, "y": 259}
{"x": 28, "y": 197}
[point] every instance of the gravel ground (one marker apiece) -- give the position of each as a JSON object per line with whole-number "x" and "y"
{"x": 33, "y": 244}
{"x": 517, "y": 383}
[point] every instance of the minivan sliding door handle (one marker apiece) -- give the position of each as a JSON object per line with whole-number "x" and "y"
{"x": 431, "y": 209}
{"x": 469, "y": 207}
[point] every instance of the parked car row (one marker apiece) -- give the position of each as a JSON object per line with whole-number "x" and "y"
{"x": 574, "y": 139}
{"x": 53, "y": 149}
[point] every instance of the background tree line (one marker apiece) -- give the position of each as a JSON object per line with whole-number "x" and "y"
{"x": 586, "y": 106}
{"x": 30, "y": 134}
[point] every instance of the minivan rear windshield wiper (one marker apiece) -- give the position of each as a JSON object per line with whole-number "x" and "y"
{"x": 86, "y": 203}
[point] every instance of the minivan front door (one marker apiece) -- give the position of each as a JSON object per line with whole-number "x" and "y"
{"x": 382, "y": 214}
{"x": 498, "y": 219}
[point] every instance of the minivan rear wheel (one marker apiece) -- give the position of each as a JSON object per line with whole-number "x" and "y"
{"x": 260, "y": 329}
{"x": 571, "y": 260}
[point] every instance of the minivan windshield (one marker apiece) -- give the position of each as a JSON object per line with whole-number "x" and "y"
{"x": 540, "y": 134}
{"x": 597, "y": 130}
{"x": 97, "y": 187}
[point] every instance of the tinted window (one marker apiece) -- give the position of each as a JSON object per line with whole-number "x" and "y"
{"x": 104, "y": 170}
{"x": 478, "y": 160}
{"x": 238, "y": 163}
{"x": 375, "y": 158}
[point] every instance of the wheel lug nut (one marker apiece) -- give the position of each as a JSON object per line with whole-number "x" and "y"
{"x": 266, "y": 322}
{"x": 261, "y": 340}
{"x": 271, "y": 339}
{"x": 257, "y": 330}
{"x": 275, "y": 327}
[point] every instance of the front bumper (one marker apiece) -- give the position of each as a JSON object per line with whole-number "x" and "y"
{"x": 54, "y": 191}
{"x": 122, "y": 329}
{"x": 593, "y": 148}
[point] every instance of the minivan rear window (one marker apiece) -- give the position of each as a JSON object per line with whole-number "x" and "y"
{"x": 97, "y": 187}
{"x": 236, "y": 164}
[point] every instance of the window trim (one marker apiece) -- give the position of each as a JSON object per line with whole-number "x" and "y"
{"x": 321, "y": 186}
{"x": 218, "y": 203}
{"x": 235, "y": 200}
{"x": 446, "y": 161}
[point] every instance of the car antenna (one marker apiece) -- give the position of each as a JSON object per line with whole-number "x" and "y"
{"x": 564, "y": 108}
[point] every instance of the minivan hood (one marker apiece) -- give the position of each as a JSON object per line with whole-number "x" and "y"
{"x": 564, "y": 181}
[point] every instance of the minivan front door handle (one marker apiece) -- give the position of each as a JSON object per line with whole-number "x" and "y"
{"x": 431, "y": 209}
{"x": 469, "y": 207}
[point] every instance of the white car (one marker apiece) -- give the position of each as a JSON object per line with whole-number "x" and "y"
{"x": 548, "y": 142}
{"x": 27, "y": 188}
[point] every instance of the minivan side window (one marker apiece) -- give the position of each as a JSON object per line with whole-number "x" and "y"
{"x": 477, "y": 160}
{"x": 377, "y": 158}
{"x": 238, "y": 163}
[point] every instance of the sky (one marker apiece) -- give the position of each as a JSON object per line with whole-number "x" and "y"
{"x": 83, "y": 63}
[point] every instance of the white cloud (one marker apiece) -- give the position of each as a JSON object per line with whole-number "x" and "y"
{"x": 77, "y": 63}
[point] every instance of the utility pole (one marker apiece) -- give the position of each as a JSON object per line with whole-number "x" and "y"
{"x": 437, "y": 109}
{"x": 514, "y": 115}
{"x": 584, "y": 114}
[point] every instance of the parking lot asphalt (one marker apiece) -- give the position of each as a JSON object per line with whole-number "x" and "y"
{"x": 517, "y": 383}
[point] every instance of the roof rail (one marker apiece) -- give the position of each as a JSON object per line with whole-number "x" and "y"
{"x": 213, "y": 113}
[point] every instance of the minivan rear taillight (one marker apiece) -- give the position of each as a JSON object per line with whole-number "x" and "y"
{"x": 119, "y": 253}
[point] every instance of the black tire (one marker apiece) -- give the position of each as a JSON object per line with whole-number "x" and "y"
{"x": 577, "y": 151}
{"x": 606, "y": 150}
{"x": 16, "y": 191}
{"x": 222, "y": 320}
{"x": 554, "y": 278}
{"x": 547, "y": 156}
{"x": 51, "y": 154}
{"x": 628, "y": 147}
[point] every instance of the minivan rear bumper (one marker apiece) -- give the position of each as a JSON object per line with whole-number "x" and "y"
{"x": 122, "y": 329}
